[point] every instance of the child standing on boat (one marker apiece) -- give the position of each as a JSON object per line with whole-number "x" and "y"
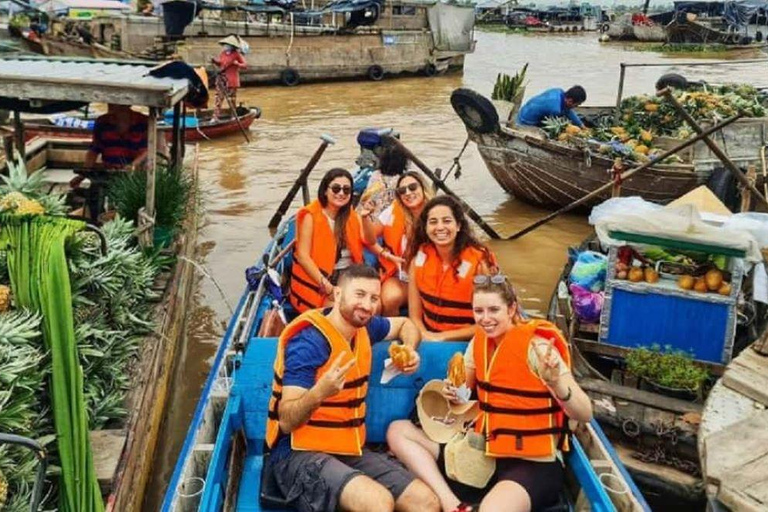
{"x": 230, "y": 61}
{"x": 380, "y": 191}
{"x": 526, "y": 392}
{"x": 444, "y": 257}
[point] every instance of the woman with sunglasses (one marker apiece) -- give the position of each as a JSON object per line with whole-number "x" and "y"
{"x": 521, "y": 372}
{"x": 328, "y": 240}
{"x": 443, "y": 257}
{"x": 394, "y": 226}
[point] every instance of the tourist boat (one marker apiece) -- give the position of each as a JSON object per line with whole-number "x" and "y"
{"x": 198, "y": 126}
{"x": 550, "y": 174}
{"x": 654, "y": 428}
{"x": 342, "y": 39}
{"x": 221, "y": 461}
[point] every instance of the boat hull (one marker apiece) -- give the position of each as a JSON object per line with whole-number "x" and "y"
{"x": 551, "y": 175}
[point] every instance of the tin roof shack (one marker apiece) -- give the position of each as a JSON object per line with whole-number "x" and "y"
{"x": 42, "y": 85}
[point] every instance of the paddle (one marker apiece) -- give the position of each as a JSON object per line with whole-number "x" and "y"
{"x": 626, "y": 175}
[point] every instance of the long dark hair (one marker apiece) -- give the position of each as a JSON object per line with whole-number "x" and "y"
{"x": 464, "y": 238}
{"x": 340, "y": 223}
{"x": 426, "y": 190}
{"x": 393, "y": 161}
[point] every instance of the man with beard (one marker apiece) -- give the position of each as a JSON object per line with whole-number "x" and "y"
{"x": 316, "y": 420}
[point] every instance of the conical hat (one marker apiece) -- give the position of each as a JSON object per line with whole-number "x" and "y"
{"x": 432, "y": 407}
{"x": 232, "y": 40}
{"x": 704, "y": 200}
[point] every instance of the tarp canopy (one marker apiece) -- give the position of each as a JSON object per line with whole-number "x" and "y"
{"x": 737, "y": 13}
{"x": 451, "y": 26}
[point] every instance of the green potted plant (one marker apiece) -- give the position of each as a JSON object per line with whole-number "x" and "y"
{"x": 667, "y": 371}
{"x": 128, "y": 192}
{"x": 508, "y": 92}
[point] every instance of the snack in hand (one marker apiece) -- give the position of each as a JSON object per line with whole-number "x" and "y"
{"x": 457, "y": 374}
{"x": 401, "y": 354}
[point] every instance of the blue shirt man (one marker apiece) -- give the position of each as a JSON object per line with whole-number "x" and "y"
{"x": 552, "y": 103}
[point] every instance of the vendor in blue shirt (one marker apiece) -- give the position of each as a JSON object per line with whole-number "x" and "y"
{"x": 552, "y": 103}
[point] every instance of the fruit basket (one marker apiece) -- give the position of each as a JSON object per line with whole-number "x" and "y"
{"x": 652, "y": 303}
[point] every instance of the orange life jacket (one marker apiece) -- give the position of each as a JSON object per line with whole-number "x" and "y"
{"x": 520, "y": 417}
{"x": 305, "y": 291}
{"x": 446, "y": 294}
{"x": 338, "y": 425}
{"x": 395, "y": 239}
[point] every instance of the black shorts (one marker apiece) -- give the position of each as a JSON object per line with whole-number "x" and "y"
{"x": 313, "y": 481}
{"x": 543, "y": 481}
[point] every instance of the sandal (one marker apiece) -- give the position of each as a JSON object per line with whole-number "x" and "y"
{"x": 463, "y": 507}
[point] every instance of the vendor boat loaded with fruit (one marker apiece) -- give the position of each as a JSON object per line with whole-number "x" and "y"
{"x": 557, "y": 163}
{"x": 224, "y": 463}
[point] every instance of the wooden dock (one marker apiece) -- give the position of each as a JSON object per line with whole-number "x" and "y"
{"x": 733, "y": 439}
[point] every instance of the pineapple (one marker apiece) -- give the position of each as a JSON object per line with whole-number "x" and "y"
{"x": 3, "y": 490}
{"x": 30, "y": 207}
{"x": 641, "y": 149}
{"x": 5, "y": 298}
{"x": 572, "y": 129}
{"x": 554, "y": 126}
{"x": 11, "y": 201}
{"x": 651, "y": 107}
{"x": 646, "y": 136}
{"x": 18, "y": 180}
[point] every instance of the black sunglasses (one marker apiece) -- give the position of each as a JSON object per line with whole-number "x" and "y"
{"x": 344, "y": 189}
{"x": 407, "y": 188}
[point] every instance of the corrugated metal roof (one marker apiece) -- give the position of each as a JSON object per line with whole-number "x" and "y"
{"x": 89, "y": 80}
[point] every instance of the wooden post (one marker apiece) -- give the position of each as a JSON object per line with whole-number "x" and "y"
{"x": 622, "y": 74}
{"x": 746, "y": 195}
{"x": 148, "y": 219}
{"x": 176, "y": 139}
{"x": 19, "y": 130}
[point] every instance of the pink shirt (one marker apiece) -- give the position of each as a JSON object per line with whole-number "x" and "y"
{"x": 230, "y": 63}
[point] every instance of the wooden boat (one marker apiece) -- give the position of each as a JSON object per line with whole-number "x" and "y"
{"x": 223, "y": 454}
{"x": 206, "y": 128}
{"x": 655, "y": 431}
{"x": 551, "y": 174}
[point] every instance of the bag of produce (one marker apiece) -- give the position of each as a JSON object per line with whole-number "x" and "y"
{"x": 589, "y": 270}
{"x": 587, "y": 305}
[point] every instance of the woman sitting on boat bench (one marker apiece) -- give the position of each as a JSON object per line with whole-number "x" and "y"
{"x": 444, "y": 256}
{"x": 328, "y": 240}
{"x": 526, "y": 394}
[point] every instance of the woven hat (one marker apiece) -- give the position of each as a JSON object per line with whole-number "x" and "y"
{"x": 440, "y": 419}
{"x": 232, "y": 40}
{"x": 466, "y": 461}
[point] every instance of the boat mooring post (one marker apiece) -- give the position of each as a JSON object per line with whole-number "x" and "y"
{"x": 301, "y": 182}
{"x": 626, "y": 175}
{"x": 622, "y": 75}
{"x": 666, "y": 93}
{"x": 442, "y": 186}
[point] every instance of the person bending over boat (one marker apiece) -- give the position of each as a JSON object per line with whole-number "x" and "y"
{"x": 395, "y": 225}
{"x": 552, "y": 103}
{"x": 316, "y": 420}
{"x": 328, "y": 240}
{"x": 380, "y": 191}
{"x": 521, "y": 371}
{"x": 443, "y": 257}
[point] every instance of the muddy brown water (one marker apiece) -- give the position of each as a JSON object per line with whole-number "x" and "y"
{"x": 244, "y": 183}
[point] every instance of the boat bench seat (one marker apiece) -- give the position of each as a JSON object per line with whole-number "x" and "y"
{"x": 385, "y": 403}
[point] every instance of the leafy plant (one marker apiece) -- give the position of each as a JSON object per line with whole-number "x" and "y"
{"x": 666, "y": 367}
{"x": 509, "y": 88}
{"x": 173, "y": 187}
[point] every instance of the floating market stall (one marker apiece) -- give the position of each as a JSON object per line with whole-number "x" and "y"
{"x": 656, "y": 308}
{"x": 557, "y": 165}
{"x": 109, "y": 312}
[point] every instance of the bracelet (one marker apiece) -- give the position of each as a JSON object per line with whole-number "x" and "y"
{"x": 567, "y": 395}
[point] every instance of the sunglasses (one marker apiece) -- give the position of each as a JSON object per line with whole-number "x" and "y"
{"x": 407, "y": 188}
{"x": 344, "y": 189}
{"x": 483, "y": 280}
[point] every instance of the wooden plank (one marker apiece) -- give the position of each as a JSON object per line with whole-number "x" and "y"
{"x": 748, "y": 374}
{"x": 639, "y": 396}
{"x": 107, "y": 447}
{"x": 149, "y": 208}
{"x": 621, "y": 352}
{"x": 747, "y": 488}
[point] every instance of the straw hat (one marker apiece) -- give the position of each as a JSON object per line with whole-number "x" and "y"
{"x": 432, "y": 406}
{"x": 232, "y": 40}
{"x": 466, "y": 461}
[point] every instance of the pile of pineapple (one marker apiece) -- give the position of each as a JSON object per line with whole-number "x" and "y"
{"x": 22, "y": 193}
{"x": 643, "y": 119}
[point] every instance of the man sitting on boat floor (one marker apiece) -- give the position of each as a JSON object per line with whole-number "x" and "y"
{"x": 316, "y": 423}
{"x": 552, "y": 103}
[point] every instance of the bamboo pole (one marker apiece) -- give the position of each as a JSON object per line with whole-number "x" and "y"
{"x": 148, "y": 219}
{"x": 626, "y": 175}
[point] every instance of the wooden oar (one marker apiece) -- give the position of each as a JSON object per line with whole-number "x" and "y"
{"x": 237, "y": 118}
{"x": 626, "y": 175}
{"x": 667, "y": 94}
{"x": 442, "y": 186}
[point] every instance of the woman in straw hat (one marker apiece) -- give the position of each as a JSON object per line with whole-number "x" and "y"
{"x": 230, "y": 61}
{"x": 521, "y": 372}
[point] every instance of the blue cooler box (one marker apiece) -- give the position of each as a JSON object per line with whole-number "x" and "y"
{"x": 644, "y": 314}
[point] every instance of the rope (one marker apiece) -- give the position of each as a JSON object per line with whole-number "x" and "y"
{"x": 456, "y": 162}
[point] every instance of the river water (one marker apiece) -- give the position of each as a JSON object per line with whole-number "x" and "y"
{"x": 243, "y": 183}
